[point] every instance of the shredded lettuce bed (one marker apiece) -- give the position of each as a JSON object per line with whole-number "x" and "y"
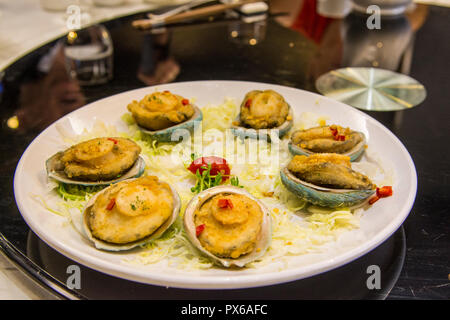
{"x": 297, "y": 227}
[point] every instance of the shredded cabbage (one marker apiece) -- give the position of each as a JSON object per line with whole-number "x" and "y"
{"x": 75, "y": 192}
{"x": 297, "y": 227}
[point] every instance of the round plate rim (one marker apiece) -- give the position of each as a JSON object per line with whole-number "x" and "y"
{"x": 223, "y": 282}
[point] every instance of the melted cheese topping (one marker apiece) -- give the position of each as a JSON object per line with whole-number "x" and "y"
{"x": 161, "y": 110}
{"x": 140, "y": 208}
{"x": 93, "y": 149}
{"x": 99, "y": 159}
{"x": 323, "y": 139}
{"x": 160, "y": 101}
{"x": 229, "y": 231}
{"x": 329, "y": 170}
{"x": 264, "y": 109}
{"x": 301, "y": 163}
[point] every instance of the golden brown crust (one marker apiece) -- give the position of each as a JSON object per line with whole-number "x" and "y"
{"x": 229, "y": 232}
{"x": 323, "y": 140}
{"x": 100, "y": 159}
{"x": 131, "y": 210}
{"x": 161, "y": 110}
{"x": 329, "y": 170}
{"x": 263, "y": 109}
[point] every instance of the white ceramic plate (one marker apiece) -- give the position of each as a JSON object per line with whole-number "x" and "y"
{"x": 377, "y": 223}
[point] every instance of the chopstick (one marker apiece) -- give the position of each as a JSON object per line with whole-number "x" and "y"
{"x": 192, "y": 14}
{"x": 179, "y": 9}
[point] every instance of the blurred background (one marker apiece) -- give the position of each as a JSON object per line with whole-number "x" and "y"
{"x": 79, "y": 47}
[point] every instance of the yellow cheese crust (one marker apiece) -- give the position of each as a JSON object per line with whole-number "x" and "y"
{"x": 229, "y": 232}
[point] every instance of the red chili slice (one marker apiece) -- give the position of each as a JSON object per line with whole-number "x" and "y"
{"x": 222, "y": 203}
{"x": 248, "y": 103}
{"x": 218, "y": 164}
{"x": 339, "y": 137}
{"x": 374, "y": 199}
{"x": 225, "y": 204}
{"x": 199, "y": 229}
{"x": 185, "y": 102}
{"x": 333, "y": 131}
{"x": 384, "y": 192}
{"x": 113, "y": 140}
{"x": 111, "y": 204}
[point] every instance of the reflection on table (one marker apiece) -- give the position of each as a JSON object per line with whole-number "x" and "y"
{"x": 347, "y": 282}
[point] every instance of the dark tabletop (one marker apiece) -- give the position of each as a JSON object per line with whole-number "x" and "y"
{"x": 416, "y": 44}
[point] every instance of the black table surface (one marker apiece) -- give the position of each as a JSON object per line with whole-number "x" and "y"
{"x": 416, "y": 44}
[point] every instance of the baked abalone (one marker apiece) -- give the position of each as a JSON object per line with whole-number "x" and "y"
{"x": 328, "y": 139}
{"x": 229, "y": 225}
{"x": 327, "y": 180}
{"x": 97, "y": 161}
{"x": 261, "y": 111}
{"x": 160, "y": 114}
{"x": 130, "y": 213}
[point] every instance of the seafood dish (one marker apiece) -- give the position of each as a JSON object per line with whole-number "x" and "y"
{"x": 160, "y": 114}
{"x": 215, "y": 210}
{"x": 130, "y": 213}
{"x": 327, "y": 180}
{"x": 328, "y": 139}
{"x": 261, "y": 111}
{"x": 228, "y": 224}
{"x": 97, "y": 161}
